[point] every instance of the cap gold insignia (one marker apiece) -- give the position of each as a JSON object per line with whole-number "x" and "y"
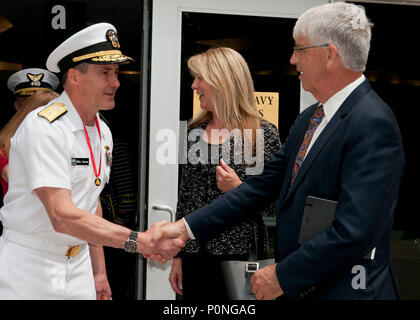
{"x": 35, "y": 78}
{"x": 112, "y": 36}
{"x": 110, "y": 58}
{"x": 53, "y": 111}
{"x": 29, "y": 91}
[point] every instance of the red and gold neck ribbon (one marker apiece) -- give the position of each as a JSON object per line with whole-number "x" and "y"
{"x": 97, "y": 174}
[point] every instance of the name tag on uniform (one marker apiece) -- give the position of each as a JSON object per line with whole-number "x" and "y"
{"x": 79, "y": 161}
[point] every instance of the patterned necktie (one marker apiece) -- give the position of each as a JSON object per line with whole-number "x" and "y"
{"x": 313, "y": 124}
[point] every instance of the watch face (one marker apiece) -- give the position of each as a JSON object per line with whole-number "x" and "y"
{"x": 130, "y": 246}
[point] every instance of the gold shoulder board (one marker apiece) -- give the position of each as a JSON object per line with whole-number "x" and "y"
{"x": 53, "y": 111}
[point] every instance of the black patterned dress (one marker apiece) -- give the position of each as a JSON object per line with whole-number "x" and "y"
{"x": 201, "y": 270}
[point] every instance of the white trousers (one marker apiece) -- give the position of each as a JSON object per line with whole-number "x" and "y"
{"x": 33, "y": 274}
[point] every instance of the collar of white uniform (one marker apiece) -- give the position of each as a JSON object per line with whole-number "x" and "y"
{"x": 76, "y": 121}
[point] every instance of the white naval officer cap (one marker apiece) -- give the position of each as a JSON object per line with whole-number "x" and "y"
{"x": 25, "y": 82}
{"x": 97, "y": 44}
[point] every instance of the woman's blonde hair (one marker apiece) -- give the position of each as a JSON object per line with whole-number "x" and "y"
{"x": 39, "y": 98}
{"x": 227, "y": 73}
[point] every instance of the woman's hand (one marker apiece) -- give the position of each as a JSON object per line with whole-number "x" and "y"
{"x": 175, "y": 277}
{"x": 226, "y": 177}
{"x": 5, "y": 173}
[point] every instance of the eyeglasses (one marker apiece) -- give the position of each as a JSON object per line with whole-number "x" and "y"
{"x": 297, "y": 50}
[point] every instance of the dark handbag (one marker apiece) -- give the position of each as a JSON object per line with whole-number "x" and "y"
{"x": 237, "y": 274}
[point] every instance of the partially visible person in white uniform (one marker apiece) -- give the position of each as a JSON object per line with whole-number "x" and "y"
{"x": 60, "y": 159}
{"x": 25, "y": 82}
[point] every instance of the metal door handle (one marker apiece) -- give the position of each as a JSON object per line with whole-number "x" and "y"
{"x": 167, "y": 209}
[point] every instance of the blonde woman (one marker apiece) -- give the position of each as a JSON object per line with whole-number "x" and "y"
{"x": 221, "y": 141}
{"x": 37, "y": 99}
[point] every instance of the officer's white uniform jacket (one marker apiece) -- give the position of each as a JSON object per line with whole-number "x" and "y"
{"x": 45, "y": 154}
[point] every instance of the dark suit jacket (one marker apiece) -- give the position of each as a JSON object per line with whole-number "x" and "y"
{"x": 357, "y": 161}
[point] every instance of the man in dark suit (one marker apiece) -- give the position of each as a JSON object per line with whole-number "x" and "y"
{"x": 346, "y": 148}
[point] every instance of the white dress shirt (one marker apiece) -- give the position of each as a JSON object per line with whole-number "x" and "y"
{"x": 331, "y": 106}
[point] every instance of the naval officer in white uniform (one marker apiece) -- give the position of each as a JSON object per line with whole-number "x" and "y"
{"x": 60, "y": 159}
{"x": 26, "y": 82}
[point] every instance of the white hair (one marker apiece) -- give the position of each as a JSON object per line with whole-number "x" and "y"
{"x": 344, "y": 25}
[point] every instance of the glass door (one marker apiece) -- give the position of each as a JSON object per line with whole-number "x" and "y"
{"x": 262, "y": 32}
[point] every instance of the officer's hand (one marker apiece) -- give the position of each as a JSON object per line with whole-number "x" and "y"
{"x": 103, "y": 290}
{"x": 160, "y": 246}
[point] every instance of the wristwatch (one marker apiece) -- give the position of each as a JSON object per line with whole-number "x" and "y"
{"x": 131, "y": 244}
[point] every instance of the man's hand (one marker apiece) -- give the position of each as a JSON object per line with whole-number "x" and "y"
{"x": 226, "y": 177}
{"x": 162, "y": 241}
{"x": 170, "y": 230}
{"x": 265, "y": 285}
{"x": 103, "y": 290}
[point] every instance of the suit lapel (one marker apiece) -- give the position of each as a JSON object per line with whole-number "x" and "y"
{"x": 325, "y": 135}
{"x": 295, "y": 140}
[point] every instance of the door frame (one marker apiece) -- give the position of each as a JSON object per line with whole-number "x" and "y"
{"x": 165, "y": 77}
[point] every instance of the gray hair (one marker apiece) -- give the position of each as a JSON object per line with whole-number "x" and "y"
{"x": 344, "y": 25}
{"x": 82, "y": 67}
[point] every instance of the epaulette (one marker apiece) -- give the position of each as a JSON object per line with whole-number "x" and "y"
{"x": 53, "y": 111}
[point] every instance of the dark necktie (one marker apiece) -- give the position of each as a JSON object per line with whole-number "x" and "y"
{"x": 313, "y": 124}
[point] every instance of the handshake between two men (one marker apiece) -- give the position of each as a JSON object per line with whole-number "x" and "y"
{"x": 166, "y": 240}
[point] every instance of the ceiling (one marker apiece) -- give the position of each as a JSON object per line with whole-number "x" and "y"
{"x": 27, "y": 36}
